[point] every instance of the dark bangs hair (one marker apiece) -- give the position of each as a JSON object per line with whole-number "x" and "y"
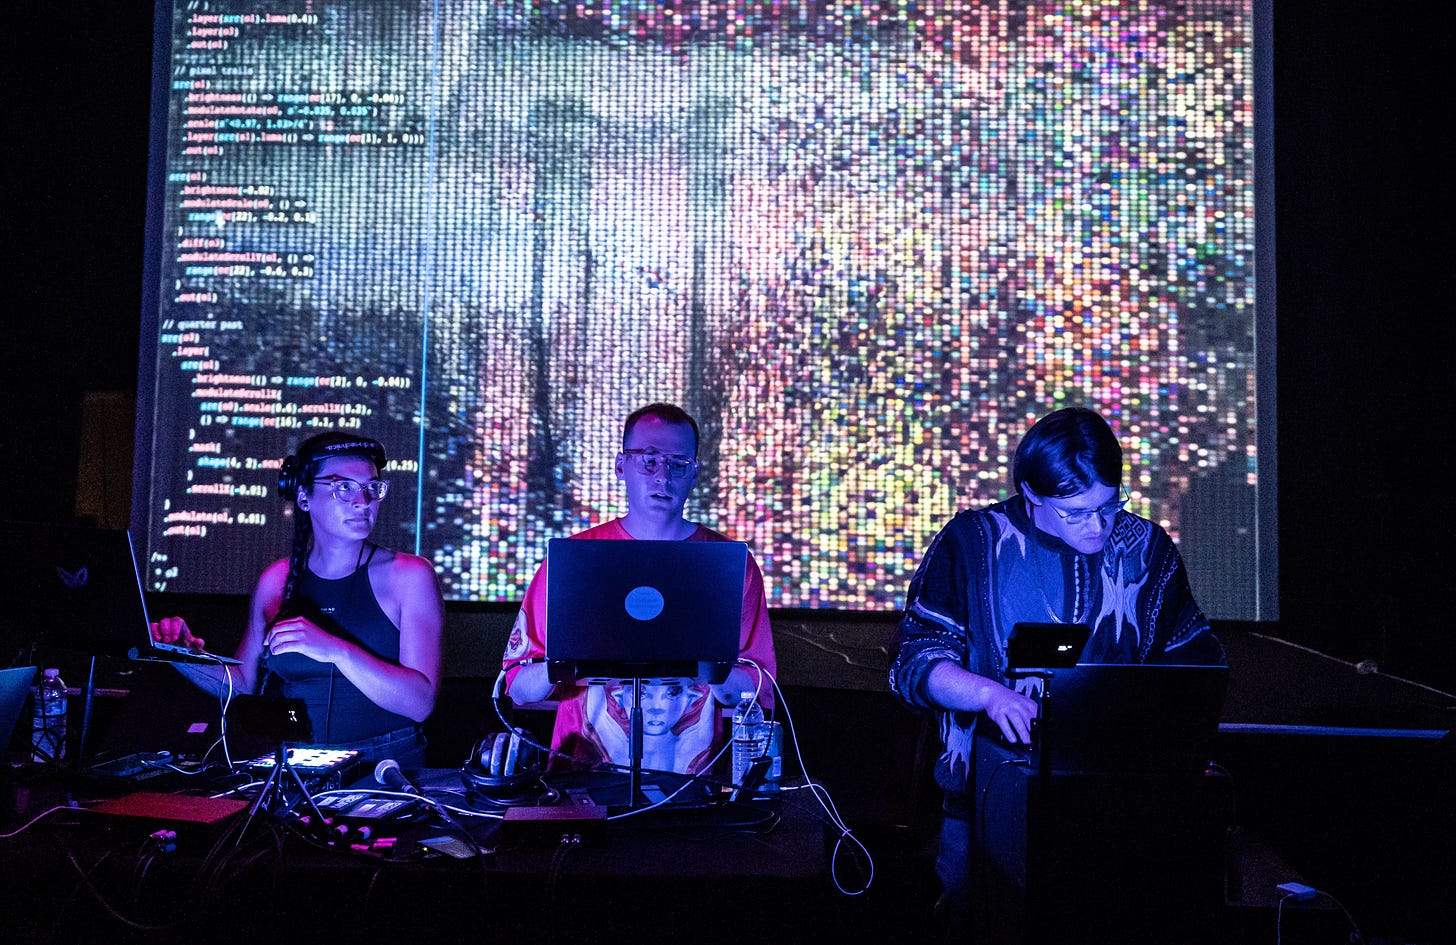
{"x": 1066, "y": 452}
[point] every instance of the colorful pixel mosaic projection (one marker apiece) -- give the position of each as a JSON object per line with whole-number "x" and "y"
{"x": 865, "y": 244}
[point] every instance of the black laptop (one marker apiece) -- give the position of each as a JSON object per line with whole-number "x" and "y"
{"x": 1034, "y": 648}
{"x": 78, "y": 589}
{"x": 1113, "y": 718}
{"x": 643, "y": 609}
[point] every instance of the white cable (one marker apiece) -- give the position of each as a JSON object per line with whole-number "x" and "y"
{"x": 1279, "y": 913}
{"x": 36, "y": 819}
{"x": 820, "y": 793}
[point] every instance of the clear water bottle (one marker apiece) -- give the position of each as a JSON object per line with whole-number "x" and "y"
{"x": 750, "y": 734}
{"x": 48, "y": 727}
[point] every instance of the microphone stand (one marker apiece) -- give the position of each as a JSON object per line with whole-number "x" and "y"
{"x": 89, "y": 695}
{"x": 635, "y": 780}
{"x": 274, "y": 792}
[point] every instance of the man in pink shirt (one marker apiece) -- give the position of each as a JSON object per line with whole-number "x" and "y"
{"x": 658, "y": 465}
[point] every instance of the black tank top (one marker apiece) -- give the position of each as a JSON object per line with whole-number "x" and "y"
{"x": 345, "y": 607}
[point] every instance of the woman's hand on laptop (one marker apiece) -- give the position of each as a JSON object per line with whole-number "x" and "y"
{"x": 174, "y": 630}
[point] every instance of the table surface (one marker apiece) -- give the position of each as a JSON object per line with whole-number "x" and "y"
{"x": 642, "y": 866}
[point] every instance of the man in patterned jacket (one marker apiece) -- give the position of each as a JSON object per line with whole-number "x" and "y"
{"x": 1063, "y": 549}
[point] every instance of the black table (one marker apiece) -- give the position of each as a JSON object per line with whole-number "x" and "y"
{"x": 81, "y": 874}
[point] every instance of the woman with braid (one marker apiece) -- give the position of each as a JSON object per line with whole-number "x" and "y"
{"x": 349, "y": 626}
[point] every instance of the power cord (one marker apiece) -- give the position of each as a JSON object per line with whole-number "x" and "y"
{"x": 845, "y": 842}
{"x": 1298, "y": 892}
{"x": 497, "y": 698}
{"x": 569, "y": 843}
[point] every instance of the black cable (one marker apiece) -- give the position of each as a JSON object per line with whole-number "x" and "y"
{"x": 86, "y": 883}
{"x": 978, "y": 848}
{"x": 498, "y": 697}
{"x": 537, "y": 793}
{"x": 84, "y": 876}
{"x": 568, "y": 843}
{"x": 365, "y": 906}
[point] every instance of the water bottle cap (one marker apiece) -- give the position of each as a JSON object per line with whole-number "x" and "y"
{"x": 53, "y": 672}
{"x": 745, "y": 695}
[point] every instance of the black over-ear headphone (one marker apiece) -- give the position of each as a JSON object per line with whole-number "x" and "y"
{"x": 316, "y": 449}
{"x": 504, "y": 767}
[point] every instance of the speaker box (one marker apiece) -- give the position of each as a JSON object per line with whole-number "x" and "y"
{"x": 103, "y": 467}
{"x": 1127, "y": 858}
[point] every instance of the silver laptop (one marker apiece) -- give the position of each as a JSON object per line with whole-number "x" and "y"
{"x": 78, "y": 589}
{"x": 643, "y": 609}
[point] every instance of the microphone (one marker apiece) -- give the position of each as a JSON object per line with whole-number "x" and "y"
{"x": 388, "y": 774}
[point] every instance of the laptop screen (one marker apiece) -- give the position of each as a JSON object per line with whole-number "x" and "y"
{"x": 78, "y": 589}
{"x": 643, "y": 609}
{"x": 14, "y": 688}
{"x": 1034, "y": 647}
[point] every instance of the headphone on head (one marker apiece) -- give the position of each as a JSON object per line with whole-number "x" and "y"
{"x": 316, "y": 449}
{"x": 504, "y": 767}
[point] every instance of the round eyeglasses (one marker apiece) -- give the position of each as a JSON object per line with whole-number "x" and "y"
{"x": 650, "y": 461}
{"x": 347, "y": 490}
{"x": 1083, "y": 516}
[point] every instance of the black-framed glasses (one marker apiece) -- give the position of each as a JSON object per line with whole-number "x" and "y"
{"x": 347, "y": 490}
{"x": 1083, "y": 516}
{"x": 650, "y": 461}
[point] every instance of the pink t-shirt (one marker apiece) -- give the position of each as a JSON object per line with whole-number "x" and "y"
{"x": 682, "y": 726}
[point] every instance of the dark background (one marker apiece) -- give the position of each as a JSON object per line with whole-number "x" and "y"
{"x": 1365, "y": 419}
{"x": 1363, "y": 341}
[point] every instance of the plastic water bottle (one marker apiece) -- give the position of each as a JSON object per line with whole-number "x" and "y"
{"x": 750, "y": 735}
{"x": 48, "y": 727}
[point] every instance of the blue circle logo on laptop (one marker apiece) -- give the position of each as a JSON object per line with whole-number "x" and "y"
{"x": 644, "y": 603}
